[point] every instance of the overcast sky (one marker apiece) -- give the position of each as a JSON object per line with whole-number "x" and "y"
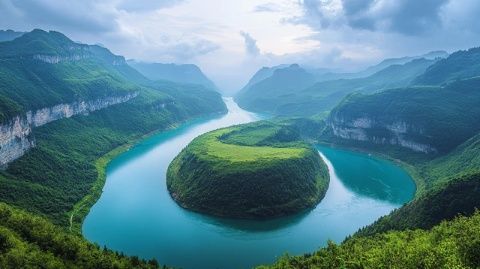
{"x": 231, "y": 39}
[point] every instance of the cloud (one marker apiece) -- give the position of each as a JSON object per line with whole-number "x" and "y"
{"x": 250, "y": 44}
{"x": 111, "y": 22}
{"x": 185, "y": 51}
{"x": 267, "y": 7}
{"x": 408, "y": 17}
{"x": 146, "y": 5}
{"x": 84, "y": 16}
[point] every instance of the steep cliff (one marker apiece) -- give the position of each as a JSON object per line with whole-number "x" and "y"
{"x": 15, "y": 135}
{"x": 421, "y": 119}
{"x": 365, "y": 129}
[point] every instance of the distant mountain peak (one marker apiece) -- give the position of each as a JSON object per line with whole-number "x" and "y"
{"x": 179, "y": 73}
{"x": 7, "y": 35}
{"x": 54, "y": 47}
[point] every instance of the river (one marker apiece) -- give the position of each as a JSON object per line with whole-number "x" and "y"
{"x": 135, "y": 214}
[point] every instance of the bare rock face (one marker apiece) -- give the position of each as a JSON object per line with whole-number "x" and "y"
{"x": 366, "y": 129}
{"x": 15, "y": 135}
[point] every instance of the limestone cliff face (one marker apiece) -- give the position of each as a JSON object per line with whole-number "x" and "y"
{"x": 366, "y": 129}
{"x": 55, "y": 59}
{"x": 81, "y": 52}
{"x": 16, "y": 137}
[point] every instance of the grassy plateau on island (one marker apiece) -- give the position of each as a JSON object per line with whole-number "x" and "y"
{"x": 257, "y": 170}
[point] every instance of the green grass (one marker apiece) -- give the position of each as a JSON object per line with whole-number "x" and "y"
{"x": 210, "y": 146}
{"x": 80, "y": 210}
{"x": 258, "y": 170}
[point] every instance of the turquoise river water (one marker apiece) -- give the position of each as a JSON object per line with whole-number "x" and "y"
{"x": 135, "y": 214}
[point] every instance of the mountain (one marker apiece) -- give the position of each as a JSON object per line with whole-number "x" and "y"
{"x": 433, "y": 55}
{"x": 423, "y": 119}
{"x": 459, "y": 65}
{"x": 431, "y": 131}
{"x": 64, "y": 107}
{"x": 284, "y": 81}
{"x": 41, "y": 69}
{"x": 301, "y": 96}
{"x": 7, "y": 35}
{"x": 183, "y": 73}
{"x": 263, "y": 73}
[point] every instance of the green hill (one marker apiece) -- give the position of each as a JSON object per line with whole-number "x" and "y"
{"x": 284, "y": 81}
{"x": 28, "y": 241}
{"x": 258, "y": 170}
{"x": 61, "y": 174}
{"x": 459, "y": 65}
{"x": 42, "y": 69}
{"x": 7, "y": 35}
{"x": 261, "y": 74}
{"x": 300, "y": 96}
{"x": 452, "y": 244}
{"x": 178, "y": 73}
{"x": 422, "y": 119}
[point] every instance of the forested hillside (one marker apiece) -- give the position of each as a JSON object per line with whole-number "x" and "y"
{"x": 289, "y": 92}
{"x": 424, "y": 119}
{"x": 432, "y": 131}
{"x": 452, "y": 244}
{"x": 459, "y": 65}
{"x": 254, "y": 171}
{"x": 29, "y": 241}
{"x": 179, "y": 73}
{"x": 49, "y": 72}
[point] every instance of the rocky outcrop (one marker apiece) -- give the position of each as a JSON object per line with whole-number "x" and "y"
{"x": 16, "y": 135}
{"x": 365, "y": 129}
{"x": 55, "y": 59}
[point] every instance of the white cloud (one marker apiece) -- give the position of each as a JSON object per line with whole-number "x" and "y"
{"x": 331, "y": 33}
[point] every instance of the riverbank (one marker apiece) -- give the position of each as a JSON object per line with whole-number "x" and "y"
{"x": 81, "y": 209}
{"x": 413, "y": 171}
{"x": 138, "y": 217}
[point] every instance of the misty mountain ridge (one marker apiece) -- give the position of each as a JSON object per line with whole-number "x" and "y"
{"x": 178, "y": 73}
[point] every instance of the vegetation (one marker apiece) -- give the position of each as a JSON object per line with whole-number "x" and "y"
{"x": 27, "y": 83}
{"x": 453, "y": 244}
{"x": 442, "y": 117}
{"x": 293, "y": 91}
{"x": 458, "y": 196}
{"x": 459, "y": 65}
{"x": 256, "y": 170}
{"x": 183, "y": 73}
{"x": 447, "y": 116}
{"x": 28, "y": 241}
{"x": 63, "y": 169}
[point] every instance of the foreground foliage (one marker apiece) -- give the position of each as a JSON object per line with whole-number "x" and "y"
{"x": 452, "y": 244}
{"x": 28, "y": 241}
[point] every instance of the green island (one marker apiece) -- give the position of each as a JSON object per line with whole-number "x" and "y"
{"x": 258, "y": 170}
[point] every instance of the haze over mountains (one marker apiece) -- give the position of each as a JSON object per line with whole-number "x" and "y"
{"x": 179, "y": 73}
{"x": 293, "y": 90}
{"x": 66, "y": 108}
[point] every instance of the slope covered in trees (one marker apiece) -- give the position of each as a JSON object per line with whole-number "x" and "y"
{"x": 178, "y": 73}
{"x": 451, "y": 244}
{"x": 28, "y": 241}
{"x": 293, "y": 92}
{"x": 258, "y": 170}
{"x": 60, "y": 170}
{"x": 439, "y": 118}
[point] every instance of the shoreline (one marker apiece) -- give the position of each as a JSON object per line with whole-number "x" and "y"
{"x": 412, "y": 170}
{"x": 81, "y": 209}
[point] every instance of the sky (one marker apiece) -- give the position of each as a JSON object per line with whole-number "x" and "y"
{"x": 231, "y": 39}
